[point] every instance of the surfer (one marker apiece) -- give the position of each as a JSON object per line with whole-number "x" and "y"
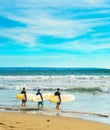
{"x": 40, "y": 103}
{"x": 57, "y": 93}
{"x": 25, "y": 99}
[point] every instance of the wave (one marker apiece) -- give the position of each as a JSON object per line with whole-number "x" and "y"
{"x": 73, "y": 83}
{"x": 93, "y": 90}
{"x": 17, "y": 108}
{"x": 53, "y": 77}
{"x": 52, "y": 111}
{"x": 88, "y": 113}
{"x": 82, "y": 89}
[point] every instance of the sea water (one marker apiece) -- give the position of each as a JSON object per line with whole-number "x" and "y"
{"x": 90, "y": 86}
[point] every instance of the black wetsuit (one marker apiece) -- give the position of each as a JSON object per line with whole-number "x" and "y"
{"x": 40, "y": 102}
{"x": 58, "y": 94}
{"x": 24, "y": 92}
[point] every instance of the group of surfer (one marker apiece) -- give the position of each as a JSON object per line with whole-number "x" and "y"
{"x": 40, "y": 103}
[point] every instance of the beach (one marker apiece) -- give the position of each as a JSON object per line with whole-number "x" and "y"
{"x": 91, "y": 88}
{"x": 24, "y": 121}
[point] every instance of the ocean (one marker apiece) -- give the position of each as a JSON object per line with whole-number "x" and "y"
{"x": 90, "y": 86}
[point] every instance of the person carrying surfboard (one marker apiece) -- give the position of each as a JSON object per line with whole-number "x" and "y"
{"x": 40, "y": 103}
{"x": 25, "y": 99}
{"x": 57, "y": 93}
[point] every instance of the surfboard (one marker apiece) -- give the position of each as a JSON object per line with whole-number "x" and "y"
{"x": 30, "y": 96}
{"x": 46, "y": 96}
{"x": 34, "y": 97}
{"x": 64, "y": 98}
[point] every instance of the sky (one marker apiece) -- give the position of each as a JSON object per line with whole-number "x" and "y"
{"x": 55, "y": 33}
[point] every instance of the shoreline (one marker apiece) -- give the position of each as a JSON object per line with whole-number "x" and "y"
{"x": 89, "y": 116}
{"x": 24, "y": 121}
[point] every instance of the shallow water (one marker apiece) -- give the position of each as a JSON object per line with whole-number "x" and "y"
{"x": 87, "y": 106}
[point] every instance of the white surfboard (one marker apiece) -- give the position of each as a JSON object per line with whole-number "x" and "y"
{"x": 46, "y": 96}
{"x": 30, "y": 96}
{"x": 64, "y": 98}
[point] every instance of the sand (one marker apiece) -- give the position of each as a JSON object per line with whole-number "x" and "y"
{"x": 24, "y": 121}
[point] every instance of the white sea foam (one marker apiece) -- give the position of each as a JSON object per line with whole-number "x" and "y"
{"x": 52, "y": 82}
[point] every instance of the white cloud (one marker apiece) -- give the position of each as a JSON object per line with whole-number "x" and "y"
{"x": 96, "y": 2}
{"x": 52, "y": 27}
{"x": 56, "y": 3}
{"x": 82, "y": 45}
{"x": 88, "y": 45}
{"x": 41, "y": 22}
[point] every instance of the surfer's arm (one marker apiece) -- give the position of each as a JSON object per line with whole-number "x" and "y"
{"x": 41, "y": 97}
{"x": 25, "y": 95}
{"x": 59, "y": 98}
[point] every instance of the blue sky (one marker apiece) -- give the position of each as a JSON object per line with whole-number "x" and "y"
{"x": 60, "y": 33}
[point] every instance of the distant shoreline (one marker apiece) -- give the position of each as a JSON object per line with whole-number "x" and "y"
{"x": 52, "y": 71}
{"x": 63, "y": 68}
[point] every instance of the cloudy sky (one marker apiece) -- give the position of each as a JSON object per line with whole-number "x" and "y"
{"x": 55, "y": 33}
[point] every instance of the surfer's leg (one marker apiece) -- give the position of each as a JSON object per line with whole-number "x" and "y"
{"x": 58, "y": 105}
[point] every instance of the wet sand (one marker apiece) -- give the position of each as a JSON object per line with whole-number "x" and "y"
{"x": 24, "y": 121}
